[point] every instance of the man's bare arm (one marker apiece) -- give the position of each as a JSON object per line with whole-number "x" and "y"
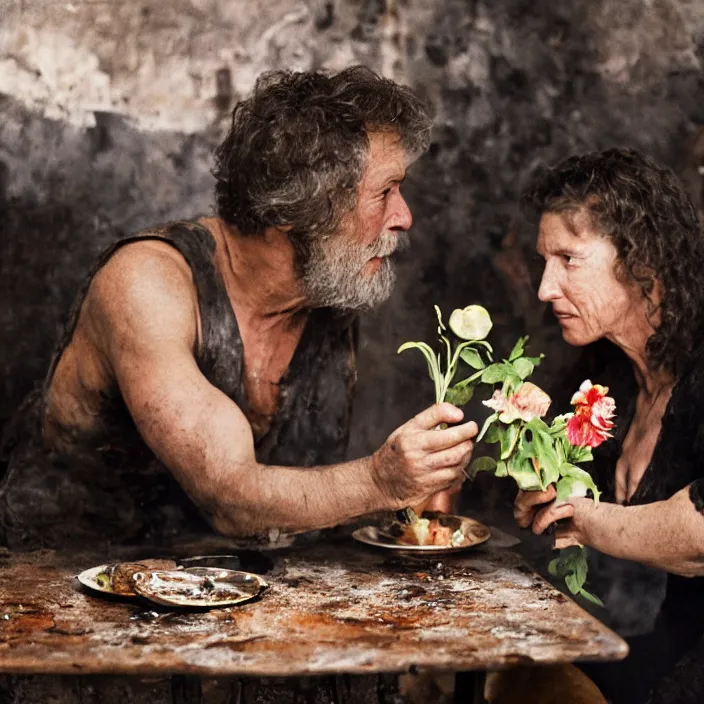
{"x": 143, "y": 312}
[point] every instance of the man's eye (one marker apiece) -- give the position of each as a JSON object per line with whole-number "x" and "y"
{"x": 385, "y": 192}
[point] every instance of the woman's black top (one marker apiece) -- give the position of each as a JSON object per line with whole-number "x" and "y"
{"x": 661, "y": 615}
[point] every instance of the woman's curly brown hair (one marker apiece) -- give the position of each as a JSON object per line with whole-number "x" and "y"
{"x": 297, "y": 147}
{"x": 643, "y": 209}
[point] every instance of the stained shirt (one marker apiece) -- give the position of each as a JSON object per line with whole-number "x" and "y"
{"x": 109, "y": 486}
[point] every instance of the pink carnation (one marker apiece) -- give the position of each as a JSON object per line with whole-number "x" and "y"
{"x": 529, "y": 402}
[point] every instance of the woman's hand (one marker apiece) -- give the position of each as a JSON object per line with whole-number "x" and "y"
{"x": 572, "y": 515}
{"x": 667, "y": 534}
{"x": 530, "y": 511}
{"x": 528, "y": 503}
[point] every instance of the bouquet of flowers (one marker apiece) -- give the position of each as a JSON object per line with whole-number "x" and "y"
{"x": 534, "y": 451}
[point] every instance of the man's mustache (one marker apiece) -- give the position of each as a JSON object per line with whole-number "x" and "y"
{"x": 388, "y": 243}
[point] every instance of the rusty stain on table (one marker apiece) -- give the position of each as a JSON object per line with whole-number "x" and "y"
{"x": 331, "y": 608}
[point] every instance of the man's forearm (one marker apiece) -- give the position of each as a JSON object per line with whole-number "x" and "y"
{"x": 666, "y": 534}
{"x": 259, "y": 498}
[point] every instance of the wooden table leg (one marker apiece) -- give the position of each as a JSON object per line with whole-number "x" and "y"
{"x": 469, "y": 687}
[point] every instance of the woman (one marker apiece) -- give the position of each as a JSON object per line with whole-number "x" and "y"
{"x": 624, "y": 262}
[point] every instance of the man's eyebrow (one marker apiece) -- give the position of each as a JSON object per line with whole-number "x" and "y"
{"x": 393, "y": 178}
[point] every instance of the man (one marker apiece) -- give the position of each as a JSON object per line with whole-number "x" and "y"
{"x": 208, "y": 367}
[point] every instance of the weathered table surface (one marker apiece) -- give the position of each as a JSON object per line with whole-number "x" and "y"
{"x": 331, "y": 608}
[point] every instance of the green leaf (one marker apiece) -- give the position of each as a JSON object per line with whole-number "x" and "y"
{"x": 535, "y": 361}
{"x": 482, "y": 464}
{"x": 578, "y": 453}
{"x": 523, "y": 367}
{"x": 473, "y": 358}
{"x": 427, "y": 353}
{"x": 546, "y": 455}
{"x": 502, "y": 372}
{"x": 463, "y": 390}
{"x": 538, "y": 425}
{"x": 511, "y": 385}
{"x": 489, "y": 348}
{"x": 573, "y": 584}
{"x": 569, "y": 562}
{"x": 487, "y": 424}
{"x": 508, "y": 439}
{"x": 423, "y": 346}
{"x": 558, "y": 426}
{"x": 572, "y": 479}
{"x": 518, "y": 348}
{"x": 441, "y": 325}
{"x": 573, "y": 567}
{"x": 501, "y": 469}
{"x": 591, "y": 597}
{"x": 567, "y": 487}
{"x": 559, "y": 449}
{"x": 495, "y": 373}
{"x": 475, "y": 377}
{"x": 524, "y": 474}
{"x": 540, "y": 447}
{"x": 579, "y": 565}
{"x": 470, "y": 380}
{"x": 459, "y": 395}
{"x": 494, "y": 434}
{"x": 433, "y": 364}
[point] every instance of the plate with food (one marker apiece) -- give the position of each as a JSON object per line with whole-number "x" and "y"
{"x": 164, "y": 582}
{"x": 198, "y": 587}
{"x": 432, "y": 533}
{"x": 116, "y": 578}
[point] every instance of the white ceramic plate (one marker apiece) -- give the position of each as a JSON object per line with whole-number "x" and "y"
{"x": 198, "y": 587}
{"x": 88, "y": 579}
{"x": 248, "y": 584}
{"x": 475, "y": 533}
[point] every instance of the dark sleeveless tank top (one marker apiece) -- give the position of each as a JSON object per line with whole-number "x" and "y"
{"x": 111, "y": 487}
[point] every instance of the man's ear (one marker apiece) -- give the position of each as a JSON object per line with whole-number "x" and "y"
{"x": 278, "y": 235}
{"x": 274, "y": 232}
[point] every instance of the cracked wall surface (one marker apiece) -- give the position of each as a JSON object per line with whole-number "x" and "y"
{"x": 110, "y": 112}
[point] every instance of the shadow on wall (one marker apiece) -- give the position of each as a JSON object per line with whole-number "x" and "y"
{"x": 514, "y": 84}
{"x": 510, "y": 84}
{"x": 80, "y": 190}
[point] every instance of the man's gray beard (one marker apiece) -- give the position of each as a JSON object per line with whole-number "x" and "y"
{"x": 332, "y": 275}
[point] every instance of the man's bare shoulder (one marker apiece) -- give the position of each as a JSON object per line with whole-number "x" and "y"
{"x": 146, "y": 289}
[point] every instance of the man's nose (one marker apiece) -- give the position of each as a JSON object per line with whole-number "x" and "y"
{"x": 401, "y": 218}
{"x": 549, "y": 289}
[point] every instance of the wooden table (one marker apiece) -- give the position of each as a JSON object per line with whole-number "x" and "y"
{"x": 333, "y": 607}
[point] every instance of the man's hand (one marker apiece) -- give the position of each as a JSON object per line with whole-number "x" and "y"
{"x": 418, "y": 461}
{"x": 443, "y": 501}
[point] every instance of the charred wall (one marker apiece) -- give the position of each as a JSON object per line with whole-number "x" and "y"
{"x": 109, "y": 113}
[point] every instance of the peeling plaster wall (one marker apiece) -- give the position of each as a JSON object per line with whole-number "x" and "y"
{"x": 110, "y": 110}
